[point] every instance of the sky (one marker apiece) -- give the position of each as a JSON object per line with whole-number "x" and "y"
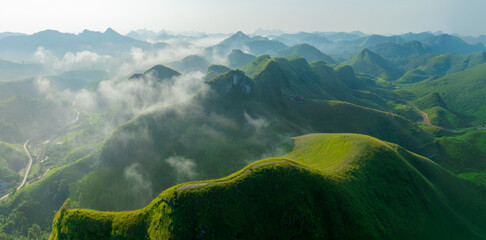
{"x": 465, "y": 17}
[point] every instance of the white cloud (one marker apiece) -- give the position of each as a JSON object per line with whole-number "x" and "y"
{"x": 184, "y": 168}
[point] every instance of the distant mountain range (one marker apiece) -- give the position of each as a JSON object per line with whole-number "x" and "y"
{"x": 21, "y": 47}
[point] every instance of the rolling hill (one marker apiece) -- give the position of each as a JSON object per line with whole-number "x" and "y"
{"x": 239, "y": 59}
{"x": 10, "y": 71}
{"x": 264, "y": 46}
{"x": 374, "y": 65}
{"x": 445, "y": 43}
{"x": 438, "y": 112}
{"x": 254, "y": 45}
{"x": 192, "y": 63}
{"x": 158, "y": 73}
{"x": 413, "y": 76}
{"x": 236, "y": 117}
{"x": 306, "y": 51}
{"x": 383, "y": 192}
{"x": 12, "y": 160}
{"x": 448, "y": 63}
{"x": 215, "y": 70}
{"x": 23, "y": 117}
{"x": 463, "y": 92}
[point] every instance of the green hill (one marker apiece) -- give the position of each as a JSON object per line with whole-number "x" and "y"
{"x": 255, "y": 45}
{"x": 12, "y": 160}
{"x": 333, "y": 82}
{"x": 235, "y": 120}
{"x": 237, "y": 39}
{"x": 374, "y": 65}
{"x": 158, "y": 73}
{"x": 306, "y": 51}
{"x": 215, "y": 70}
{"x": 256, "y": 66}
{"x": 430, "y": 100}
{"x": 10, "y": 71}
{"x": 404, "y": 55}
{"x": 382, "y": 190}
{"x": 413, "y": 76}
{"x": 399, "y": 53}
{"x": 264, "y": 46}
{"x": 239, "y": 59}
{"x": 192, "y": 63}
{"x": 464, "y": 92}
{"x": 448, "y": 63}
{"x": 445, "y": 43}
{"x": 438, "y": 112}
{"x": 23, "y": 117}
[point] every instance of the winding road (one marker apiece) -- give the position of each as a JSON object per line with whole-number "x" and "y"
{"x": 426, "y": 120}
{"x": 29, "y": 166}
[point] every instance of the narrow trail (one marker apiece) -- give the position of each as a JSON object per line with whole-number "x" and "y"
{"x": 199, "y": 185}
{"x": 4, "y": 197}
{"x": 29, "y": 166}
{"x": 426, "y": 120}
{"x": 424, "y": 115}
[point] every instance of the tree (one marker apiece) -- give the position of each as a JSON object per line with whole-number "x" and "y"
{"x": 35, "y": 233}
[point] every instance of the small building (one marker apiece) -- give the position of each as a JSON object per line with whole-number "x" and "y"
{"x": 296, "y": 98}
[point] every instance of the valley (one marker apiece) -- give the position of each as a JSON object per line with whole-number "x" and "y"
{"x": 306, "y": 135}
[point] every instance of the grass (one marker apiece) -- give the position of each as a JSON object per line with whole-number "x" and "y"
{"x": 463, "y": 92}
{"x": 12, "y": 160}
{"x": 379, "y": 190}
{"x": 215, "y": 70}
{"x": 210, "y": 130}
{"x": 239, "y": 59}
{"x": 326, "y": 154}
{"x": 463, "y": 152}
{"x": 449, "y": 63}
{"x": 310, "y": 53}
{"x": 477, "y": 177}
{"x": 374, "y": 65}
{"x": 413, "y": 76}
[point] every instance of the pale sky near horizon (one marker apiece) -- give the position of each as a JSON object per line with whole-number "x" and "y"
{"x": 465, "y": 17}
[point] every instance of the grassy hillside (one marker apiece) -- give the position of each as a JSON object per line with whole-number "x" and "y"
{"x": 199, "y": 136}
{"x": 239, "y": 59}
{"x": 191, "y": 63}
{"x": 374, "y": 65}
{"x": 463, "y": 92}
{"x": 445, "y": 43}
{"x": 448, "y": 63}
{"x": 413, "y": 76}
{"x": 10, "y": 71}
{"x": 12, "y": 159}
{"x": 256, "y": 66}
{"x": 383, "y": 192}
{"x": 35, "y": 203}
{"x": 235, "y": 120}
{"x": 264, "y": 46}
{"x": 157, "y": 73}
{"x": 399, "y": 53}
{"x": 306, "y": 51}
{"x": 215, "y": 70}
{"x": 23, "y": 117}
{"x": 469, "y": 147}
